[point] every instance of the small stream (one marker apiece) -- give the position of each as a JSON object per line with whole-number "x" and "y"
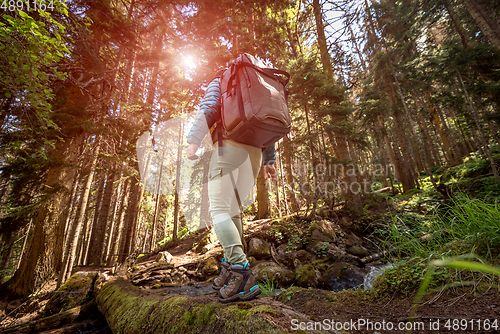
{"x": 375, "y": 270}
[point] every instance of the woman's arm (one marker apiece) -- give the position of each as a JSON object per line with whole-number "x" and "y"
{"x": 208, "y": 114}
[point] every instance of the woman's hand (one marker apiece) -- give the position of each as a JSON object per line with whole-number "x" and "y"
{"x": 270, "y": 172}
{"x": 191, "y": 151}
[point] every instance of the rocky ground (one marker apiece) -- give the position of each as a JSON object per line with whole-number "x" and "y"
{"x": 311, "y": 260}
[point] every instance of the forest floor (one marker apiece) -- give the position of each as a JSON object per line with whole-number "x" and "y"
{"x": 352, "y": 308}
{"x": 456, "y": 302}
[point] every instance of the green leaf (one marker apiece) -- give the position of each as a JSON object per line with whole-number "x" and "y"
{"x": 8, "y": 95}
{"x": 460, "y": 264}
{"x": 23, "y": 14}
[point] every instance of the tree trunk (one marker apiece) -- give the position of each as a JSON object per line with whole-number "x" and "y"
{"x": 289, "y": 174}
{"x": 413, "y": 152}
{"x": 177, "y": 184}
{"x": 118, "y": 235}
{"x": 281, "y": 180}
{"x": 159, "y": 191}
{"x": 263, "y": 210}
{"x": 403, "y": 154}
{"x": 43, "y": 257}
{"x": 457, "y": 24}
{"x": 82, "y": 241}
{"x": 99, "y": 230}
{"x": 74, "y": 233}
{"x": 480, "y": 130}
{"x": 404, "y": 167}
{"x": 353, "y": 199}
{"x": 95, "y": 221}
{"x": 8, "y": 245}
{"x": 428, "y": 142}
{"x": 128, "y": 241}
{"x": 26, "y": 237}
{"x": 429, "y": 106}
{"x": 71, "y": 210}
{"x": 313, "y": 159}
{"x": 424, "y": 156}
{"x": 488, "y": 26}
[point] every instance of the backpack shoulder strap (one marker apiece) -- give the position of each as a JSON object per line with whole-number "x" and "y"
{"x": 278, "y": 75}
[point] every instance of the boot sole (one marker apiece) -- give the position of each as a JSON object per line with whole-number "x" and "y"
{"x": 243, "y": 297}
{"x": 215, "y": 287}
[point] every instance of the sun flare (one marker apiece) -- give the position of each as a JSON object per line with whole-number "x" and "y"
{"x": 189, "y": 62}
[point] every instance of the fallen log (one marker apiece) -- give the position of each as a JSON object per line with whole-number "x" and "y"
{"x": 50, "y": 322}
{"x": 130, "y": 310}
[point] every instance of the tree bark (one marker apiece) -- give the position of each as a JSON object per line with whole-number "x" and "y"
{"x": 429, "y": 106}
{"x": 74, "y": 233}
{"x": 95, "y": 220}
{"x": 353, "y": 199}
{"x": 44, "y": 254}
{"x": 428, "y": 142}
{"x": 127, "y": 242}
{"x": 71, "y": 210}
{"x": 177, "y": 184}
{"x": 480, "y": 130}
{"x": 7, "y": 247}
{"x": 115, "y": 203}
{"x": 289, "y": 174}
{"x": 263, "y": 210}
{"x": 488, "y": 26}
{"x": 26, "y": 237}
{"x": 118, "y": 234}
{"x": 457, "y": 24}
{"x": 99, "y": 230}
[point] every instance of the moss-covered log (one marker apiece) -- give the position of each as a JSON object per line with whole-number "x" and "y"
{"x": 129, "y": 309}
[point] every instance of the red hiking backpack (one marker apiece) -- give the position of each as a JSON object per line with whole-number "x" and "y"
{"x": 254, "y": 102}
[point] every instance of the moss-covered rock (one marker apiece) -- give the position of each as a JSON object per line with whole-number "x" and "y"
{"x": 353, "y": 240}
{"x": 270, "y": 271}
{"x": 210, "y": 267}
{"x": 317, "y": 248}
{"x": 358, "y": 251}
{"x": 203, "y": 245}
{"x": 307, "y": 276}
{"x": 292, "y": 259}
{"x": 252, "y": 261}
{"x": 335, "y": 253}
{"x": 324, "y": 230}
{"x": 259, "y": 249}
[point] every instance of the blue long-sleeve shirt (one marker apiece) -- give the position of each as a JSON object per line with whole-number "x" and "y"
{"x": 210, "y": 112}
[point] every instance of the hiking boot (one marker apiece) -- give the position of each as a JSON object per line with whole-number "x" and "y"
{"x": 241, "y": 285}
{"x": 223, "y": 278}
